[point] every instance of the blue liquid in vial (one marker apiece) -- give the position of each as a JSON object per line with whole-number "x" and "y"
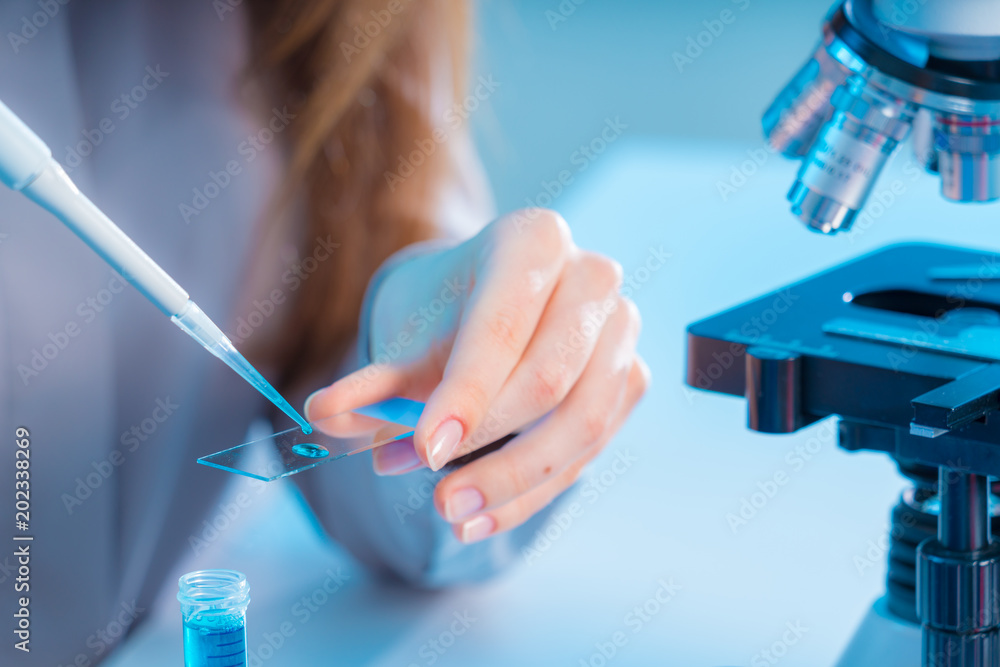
{"x": 224, "y": 646}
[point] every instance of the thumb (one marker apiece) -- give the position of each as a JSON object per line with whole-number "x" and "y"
{"x": 366, "y": 385}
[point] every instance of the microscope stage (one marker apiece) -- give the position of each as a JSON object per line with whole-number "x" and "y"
{"x": 903, "y": 343}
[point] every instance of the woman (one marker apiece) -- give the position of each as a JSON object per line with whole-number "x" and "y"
{"x": 272, "y": 156}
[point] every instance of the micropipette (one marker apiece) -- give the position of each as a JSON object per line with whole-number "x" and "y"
{"x": 27, "y": 166}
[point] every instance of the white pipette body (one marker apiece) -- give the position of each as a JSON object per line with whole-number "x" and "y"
{"x": 27, "y": 166}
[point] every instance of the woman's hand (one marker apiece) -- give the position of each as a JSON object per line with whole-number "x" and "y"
{"x": 515, "y": 330}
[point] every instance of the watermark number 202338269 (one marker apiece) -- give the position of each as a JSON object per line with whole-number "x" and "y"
{"x": 22, "y": 540}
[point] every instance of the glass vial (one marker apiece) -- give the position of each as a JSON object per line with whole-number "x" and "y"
{"x": 213, "y": 607}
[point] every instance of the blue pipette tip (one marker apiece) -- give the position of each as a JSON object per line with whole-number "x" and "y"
{"x": 263, "y": 386}
{"x": 198, "y": 325}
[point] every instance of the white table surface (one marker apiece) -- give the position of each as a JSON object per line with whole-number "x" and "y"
{"x": 664, "y": 518}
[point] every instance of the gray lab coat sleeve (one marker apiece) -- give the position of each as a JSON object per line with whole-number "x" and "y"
{"x": 390, "y": 523}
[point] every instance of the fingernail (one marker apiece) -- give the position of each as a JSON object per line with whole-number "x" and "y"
{"x": 463, "y": 503}
{"x": 396, "y": 458}
{"x": 305, "y": 408}
{"x": 477, "y": 529}
{"x": 443, "y": 443}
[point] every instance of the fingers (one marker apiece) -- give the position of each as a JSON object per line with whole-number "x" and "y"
{"x": 517, "y": 274}
{"x": 515, "y": 512}
{"x": 567, "y": 335}
{"x": 396, "y": 458}
{"x": 543, "y": 343}
{"x": 639, "y": 379}
{"x": 329, "y": 409}
{"x": 571, "y": 435}
{"x": 362, "y": 387}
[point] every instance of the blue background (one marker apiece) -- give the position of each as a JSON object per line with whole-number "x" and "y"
{"x": 561, "y": 80}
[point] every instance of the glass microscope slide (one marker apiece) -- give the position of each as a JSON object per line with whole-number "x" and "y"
{"x": 292, "y": 451}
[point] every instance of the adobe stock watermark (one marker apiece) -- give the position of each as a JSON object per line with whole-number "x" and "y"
{"x": 881, "y": 200}
{"x": 435, "y": 647}
{"x": 741, "y": 173}
{"x": 292, "y": 279}
{"x": 453, "y": 119}
{"x": 634, "y": 622}
{"x": 751, "y": 505}
{"x": 223, "y": 7}
{"x": 419, "y": 321}
{"x": 635, "y": 280}
{"x": 772, "y": 655}
{"x": 228, "y": 512}
{"x": 120, "y": 109}
{"x": 246, "y": 152}
{"x": 755, "y": 329}
{"x": 495, "y": 425}
{"x": 106, "y": 637}
{"x": 302, "y": 611}
{"x": 923, "y": 336}
{"x": 7, "y": 569}
{"x": 875, "y": 552}
{"x": 595, "y": 318}
{"x": 226, "y": 515}
{"x": 41, "y": 357}
{"x": 877, "y": 203}
{"x": 874, "y": 555}
{"x": 31, "y": 24}
{"x": 699, "y": 42}
{"x": 562, "y": 13}
{"x": 419, "y": 494}
{"x": 365, "y": 32}
{"x": 585, "y": 495}
{"x": 131, "y": 440}
{"x": 900, "y": 14}
{"x": 580, "y": 160}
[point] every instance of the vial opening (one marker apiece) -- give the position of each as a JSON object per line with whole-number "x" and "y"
{"x": 213, "y": 591}
{"x": 213, "y": 606}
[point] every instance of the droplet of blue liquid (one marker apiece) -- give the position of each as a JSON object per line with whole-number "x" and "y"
{"x": 310, "y": 450}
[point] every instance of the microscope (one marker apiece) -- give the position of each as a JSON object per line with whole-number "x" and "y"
{"x": 903, "y": 345}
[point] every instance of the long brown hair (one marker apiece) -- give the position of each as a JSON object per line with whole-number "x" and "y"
{"x": 357, "y": 74}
